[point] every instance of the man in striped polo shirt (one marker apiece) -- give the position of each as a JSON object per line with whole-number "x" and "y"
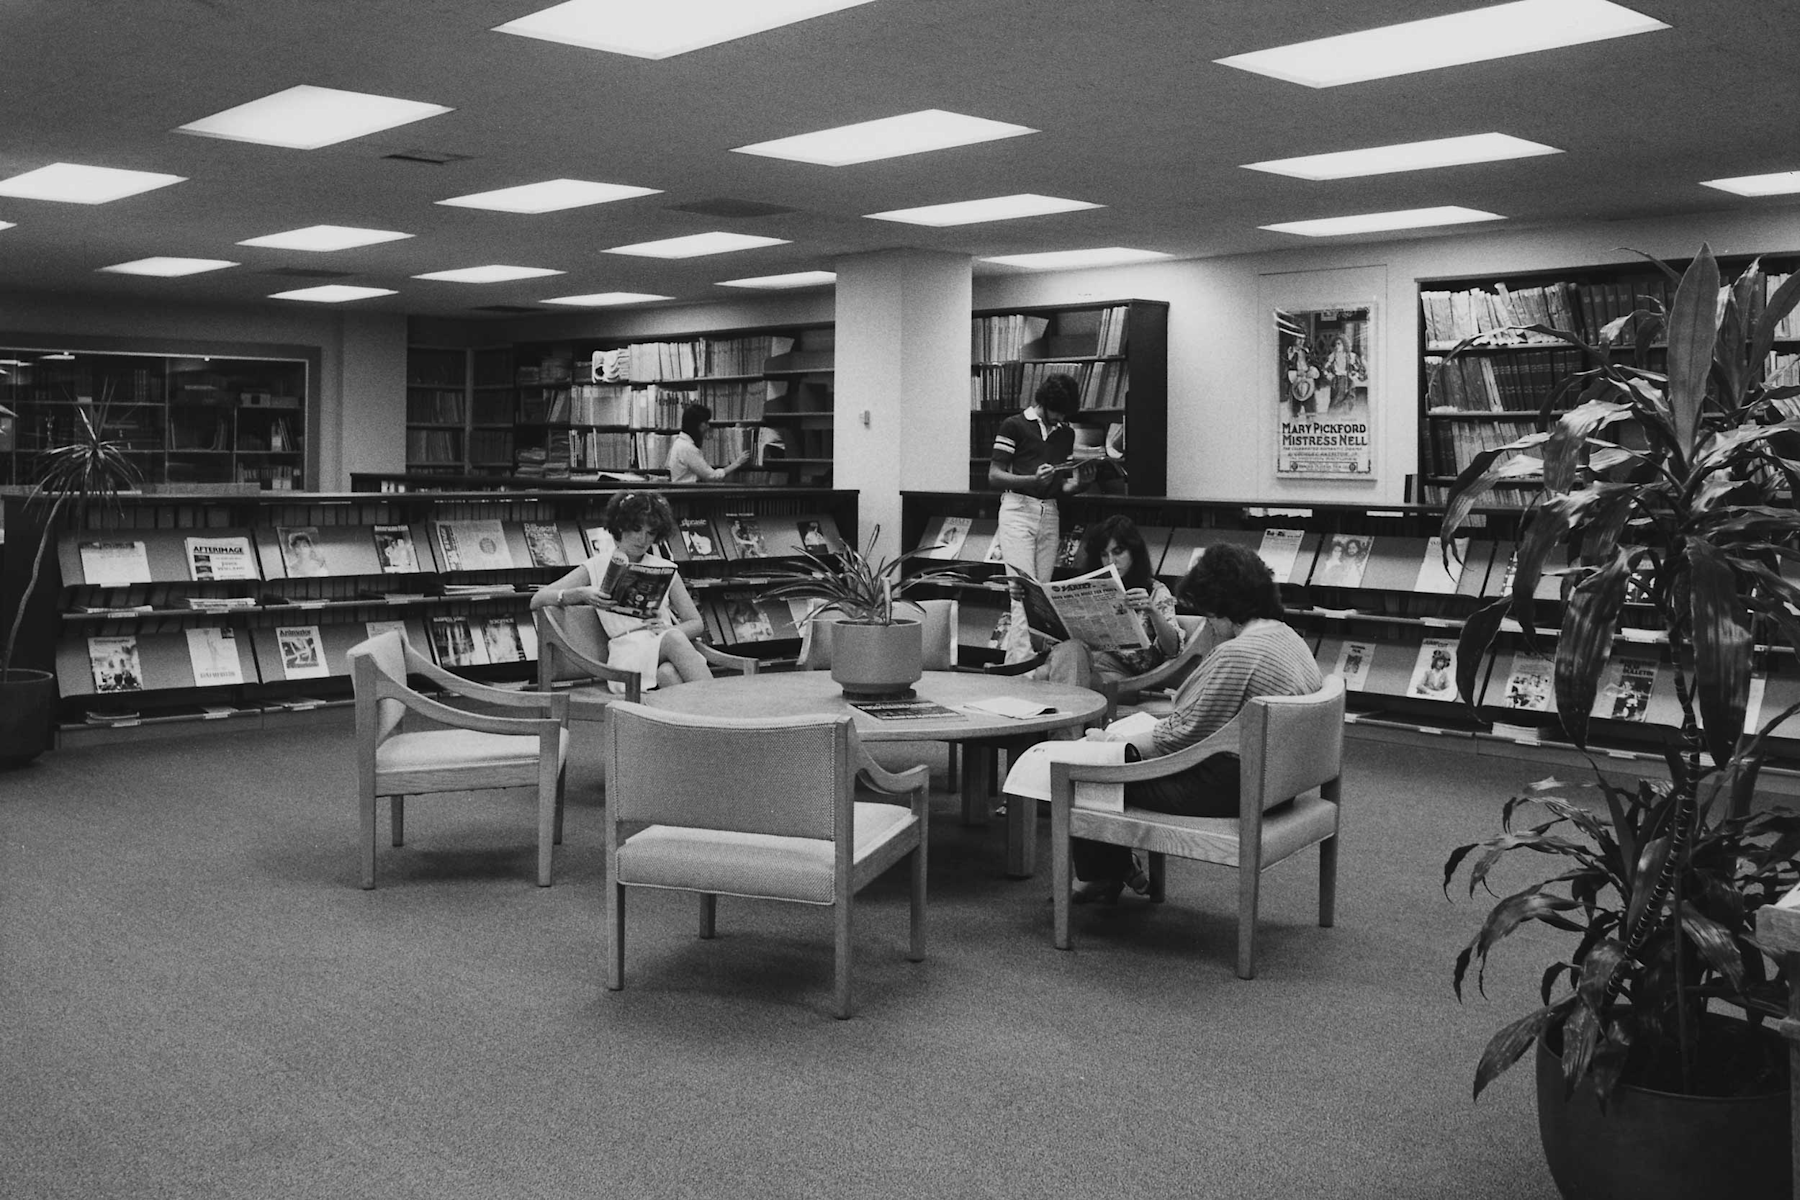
{"x": 1028, "y": 449}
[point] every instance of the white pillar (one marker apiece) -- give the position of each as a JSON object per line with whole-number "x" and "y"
{"x": 902, "y": 381}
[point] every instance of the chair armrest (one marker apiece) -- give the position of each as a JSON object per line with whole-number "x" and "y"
{"x": 556, "y": 706}
{"x": 1226, "y": 741}
{"x": 460, "y": 718}
{"x": 1016, "y": 668}
{"x": 552, "y": 641}
{"x": 913, "y": 779}
{"x": 730, "y": 662}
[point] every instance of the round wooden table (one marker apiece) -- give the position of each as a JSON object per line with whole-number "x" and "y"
{"x": 814, "y": 693}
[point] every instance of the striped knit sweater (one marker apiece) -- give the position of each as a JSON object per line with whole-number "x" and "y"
{"x": 1266, "y": 659}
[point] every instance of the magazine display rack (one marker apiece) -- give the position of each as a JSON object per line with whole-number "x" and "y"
{"x": 1373, "y": 593}
{"x": 184, "y": 608}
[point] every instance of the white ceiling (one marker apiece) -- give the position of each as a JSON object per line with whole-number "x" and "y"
{"x": 1133, "y": 114}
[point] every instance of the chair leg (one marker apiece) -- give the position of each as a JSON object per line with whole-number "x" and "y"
{"x": 843, "y": 960}
{"x": 1159, "y": 877}
{"x": 1249, "y": 881}
{"x": 615, "y": 924}
{"x": 709, "y": 914}
{"x": 973, "y": 783}
{"x": 953, "y": 765}
{"x": 1328, "y": 862}
{"x": 916, "y": 952}
{"x": 1059, "y": 874}
{"x": 561, "y": 791}
{"x": 549, "y": 802}
{"x": 369, "y": 802}
{"x": 397, "y": 819}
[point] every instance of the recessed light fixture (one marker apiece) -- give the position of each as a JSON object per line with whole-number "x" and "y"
{"x": 72, "y": 183}
{"x": 324, "y": 237}
{"x": 169, "y": 268}
{"x": 495, "y": 273}
{"x": 1100, "y": 256}
{"x": 552, "y": 195}
{"x": 666, "y": 28}
{"x": 606, "y": 299}
{"x": 332, "y": 293}
{"x": 7, "y": 225}
{"x": 1477, "y": 35}
{"x": 1780, "y": 183}
{"x": 796, "y": 279}
{"x": 59, "y": 356}
{"x": 696, "y": 244}
{"x": 971, "y": 212}
{"x": 1410, "y": 218}
{"x": 307, "y": 117}
{"x": 889, "y": 137}
{"x": 1405, "y": 156}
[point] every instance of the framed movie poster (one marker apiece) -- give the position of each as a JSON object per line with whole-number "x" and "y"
{"x": 1324, "y": 376}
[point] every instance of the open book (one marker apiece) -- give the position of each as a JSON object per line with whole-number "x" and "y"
{"x": 637, "y": 588}
{"x": 1090, "y": 608}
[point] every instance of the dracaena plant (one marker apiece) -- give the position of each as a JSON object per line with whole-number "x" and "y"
{"x": 855, "y": 581}
{"x": 1681, "y": 480}
{"x": 87, "y": 472}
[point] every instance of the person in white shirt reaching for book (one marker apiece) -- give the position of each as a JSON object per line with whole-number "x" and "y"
{"x": 687, "y": 464}
{"x": 1262, "y": 656}
{"x": 1116, "y": 541}
{"x": 660, "y": 647}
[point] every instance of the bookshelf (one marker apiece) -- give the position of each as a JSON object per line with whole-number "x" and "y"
{"x": 1494, "y": 391}
{"x": 1117, "y": 350}
{"x": 437, "y": 410}
{"x": 1368, "y": 590}
{"x": 185, "y": 420}
{"x": 186, "y": 608}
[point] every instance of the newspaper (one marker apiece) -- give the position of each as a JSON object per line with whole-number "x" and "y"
{"x": 1090, "y": 608}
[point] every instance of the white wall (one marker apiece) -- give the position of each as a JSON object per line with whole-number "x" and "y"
{"x": 362, "y": 356}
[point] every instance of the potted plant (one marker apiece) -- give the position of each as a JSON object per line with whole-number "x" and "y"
{"x": 874, "y": 651}
{"x": 90, "y": 470}
{"x": 1642, "y": 1090}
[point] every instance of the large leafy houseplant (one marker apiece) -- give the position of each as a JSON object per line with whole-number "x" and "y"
{"x": 1692, "y": 500}
{"x": 855, "y": 581}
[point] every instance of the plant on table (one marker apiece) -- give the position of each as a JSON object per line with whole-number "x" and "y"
{"x": 1692, "y": 504}
{"x": 856, "y": 582}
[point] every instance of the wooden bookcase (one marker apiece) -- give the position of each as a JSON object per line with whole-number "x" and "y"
{"x": 293, "y": 580}
{"x": 1389, "y": 617}
{"x": 1491, "y": 394}
{"x": 437, "y": 410}
{"x": 1117, "y": 349}
{"x": 186, "y": 420}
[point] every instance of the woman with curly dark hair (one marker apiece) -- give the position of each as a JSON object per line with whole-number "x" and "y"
{"x": 661, "y": 646}
{"x": 1116, "y": 541}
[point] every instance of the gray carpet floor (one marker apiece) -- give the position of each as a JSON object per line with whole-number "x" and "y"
{"x": 197, "y": 1001}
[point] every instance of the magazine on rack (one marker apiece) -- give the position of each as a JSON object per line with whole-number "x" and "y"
{"x": 1090, "y": 608}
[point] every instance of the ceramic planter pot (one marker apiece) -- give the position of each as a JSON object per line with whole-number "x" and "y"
{"x": 27, "y": 714}
{"x": 877, "y": 660}
{"x": 1649, "y": 1145}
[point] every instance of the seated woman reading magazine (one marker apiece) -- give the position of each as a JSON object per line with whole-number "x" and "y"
{"x": 1116, "y": 540}
{"x": 659, "y": 646}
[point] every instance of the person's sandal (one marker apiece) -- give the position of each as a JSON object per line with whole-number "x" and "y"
{"x": 1138, "y": 880}
{"x": 1097, "y": 891}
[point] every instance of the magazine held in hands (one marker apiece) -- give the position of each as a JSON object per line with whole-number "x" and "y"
{"x": 1090, "y": 608}
{"x": 636, "y": 588}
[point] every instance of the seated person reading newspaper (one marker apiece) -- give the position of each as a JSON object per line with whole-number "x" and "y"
{"x": 1263, "y": 656}
{"x": 1117, "y": 542}
{"x": 659, "y": 643}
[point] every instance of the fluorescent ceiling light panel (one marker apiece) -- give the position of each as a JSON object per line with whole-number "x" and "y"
{"x": 552, "y": 195}
{"x": 72, "y": 183}
{"x": 665, "y": 28}
{"x": 606, "y": 299}
{"x": 1781, "y": 183}
{"x": 307, "y": 117}
{"x": 889, "y": 137}
{"x": 1101, "y": 256}
{"x": 1411, "y": 218}
{"x": 1406, "y": 156}
{"x": 496, "y": 273}
{"x": 7, "y": 225}
{"x": 696, "y": 244}
{"x": 1477, "y": 35}
{"x": 324, "y": 237}
{"x": 332, "y": 293}
{"x": 797, "y": 279}
{"x": 971, "y": 212}
{"x": 169, "y": 268}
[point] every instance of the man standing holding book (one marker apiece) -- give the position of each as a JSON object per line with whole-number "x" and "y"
{"x": 1031, "y": 467}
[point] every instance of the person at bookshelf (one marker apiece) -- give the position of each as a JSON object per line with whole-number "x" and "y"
{"x": 687, "y": 463}
{"x": 1116, "y": 541}
{"x": 1262, "y": 656}
{"x": 1031, "y": 467}
{"x": 659, "y": 647}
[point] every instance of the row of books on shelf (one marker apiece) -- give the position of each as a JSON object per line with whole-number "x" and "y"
{"x": 322, "y": 551}
{"x": 433, "y": 445}
{"x": 1514, "y": 382}
{"x": 1453, "y": 316}
{"x": 1012, "y": 385}
{"x": 1454, "y": 444}
{"x": 689, "y": 358}
{"x": 201, "y": 656}
{"x": 613, "y": 404}
{"x": 491, "y": 447}
{"x": 439, "y": 407}
{"x": 219, "y": 437}
{"x": 1009, "y": 337}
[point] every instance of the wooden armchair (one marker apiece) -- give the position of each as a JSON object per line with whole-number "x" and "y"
{"x": 474, "y": 752}
{"x": 572, "y": 658}
{"x": 1287, "y": 746}
{"x": 757, "y": 807}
